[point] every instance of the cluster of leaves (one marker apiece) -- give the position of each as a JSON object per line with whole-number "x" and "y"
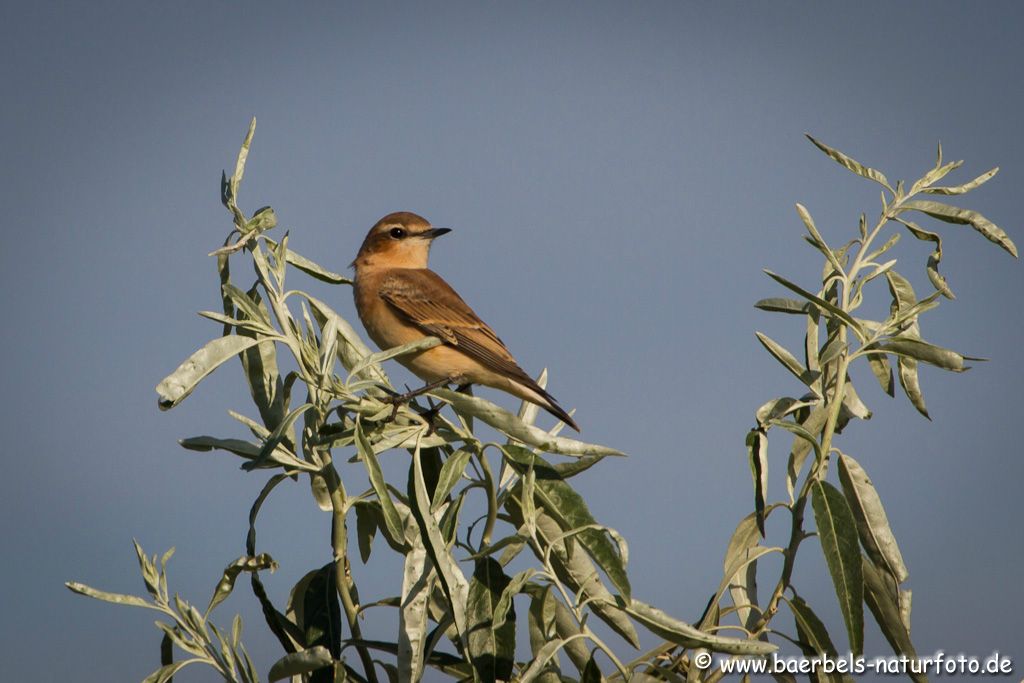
{"x": 191, "y": 631}
{"x": 457, "y": 605}
{"x": 859, "y": 547}
{"x": 575, "y": 568}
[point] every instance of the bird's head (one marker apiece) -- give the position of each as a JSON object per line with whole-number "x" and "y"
{"x": 399, "y": 240}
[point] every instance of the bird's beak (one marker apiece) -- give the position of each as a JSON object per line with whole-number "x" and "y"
{"x": 435, "y": 232}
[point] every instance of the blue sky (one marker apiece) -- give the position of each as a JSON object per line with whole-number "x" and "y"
{"x": 617, "y": 175}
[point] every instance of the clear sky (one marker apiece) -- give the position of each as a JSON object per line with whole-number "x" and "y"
{"x": 616, "y": 175}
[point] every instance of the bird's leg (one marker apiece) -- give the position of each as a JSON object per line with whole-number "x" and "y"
{"x": 431, "y": 415}
{"x": 398, "y": 399}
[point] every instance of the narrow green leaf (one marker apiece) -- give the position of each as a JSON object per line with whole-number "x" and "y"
{"x": 826, "y": 306}
{"x": 313, "y": 604}
{"x": 833, "y": 348}
{"x": 872, "y": 524}
{"x": 542, "y": 657}
{"x": 889, "y": 244}
{"x": 243, "y": 154}
{"x": 236, "y": 631}
{"x": 739, "y": 562}
{"x": 116, "y": 598}
{"x": 743, "y": 591}
{"x": 510, "y": 425}
{"x": 936, "y": 174}
{"x": 757, "y": 456}
{"x": 548, "y": 619}
{"x": 491, "y": 646}
{"x": 817, "y": 239}
{"x": 248, "y": 304}
{"x": 504, "y": 605}
{"x": 681, "y": 633}
{"x": 451, "y": 473}
{"x": 254, "y": 511}
{"x": 782, "y": 305}
{"x": 810, "y": 628}
{"x": 227, "y": 655}
{"x": 165, "y": 673}
{"x": 261, "y": 371}
{"x": 902, "y": 292}
{"x": 354, "y": 349}
{"x": 966, "y": 187}
{"x": 904, "y": 600}
{"x": 953, "y": 214}
{"x": 240, "y": 323}
{"x": 417, "y": 582}
{"x": 906, "y": 318}
{"x": 879, "y": 594}
{"x": 387, "y": 354}
{"x": 273, "y": 454}
{"x": 880, "y": 269}
{"x": 852, "y": 164}
{"x": 879, "y": 364}
{"x": 174, "y": 388}
{"x": 231, "y": 572}
{"x": 837, "y": 531}
{"x": 241, "y": 448}
{"x": 919, "y": 232}
{"x": 448, "y": 664}
{"x": 591, "y": 672}
{"x": 937, "y": 280}
{"x": 561, "y": 500}
{"x": 924, "y": 352}
{"x": 911, "y": 384}
{"x": 366, "y": 529}
{"x": 852, "y": 405}
{"x": 787, "y": 359}
{"x": 802, "y": 445}
{"x": 147, "y": 566}
{"x": 575, "y": 569}
{"x": 264, "y": 219}
{"x": 300, "y": 663}
{"x": 310, "y": 268}
{"x": 392, "y": 520}
{"x": 778, "y": 408}
{"x": 328, "y": 350}
{"x": 452, "y": 579}
{"x": 175, "y": 637}
{"x": 812, "y": 324}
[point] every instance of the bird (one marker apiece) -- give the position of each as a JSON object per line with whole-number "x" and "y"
{"x": 400, "y": 300}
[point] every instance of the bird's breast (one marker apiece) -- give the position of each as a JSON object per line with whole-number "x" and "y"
{"x": 388, "y": 329}
{"x": 381, "y": 321}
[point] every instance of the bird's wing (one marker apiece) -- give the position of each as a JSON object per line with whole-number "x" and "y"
{"x": 423, "y": 298}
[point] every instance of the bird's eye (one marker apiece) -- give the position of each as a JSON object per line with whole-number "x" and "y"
{"x": 397, "y": 233}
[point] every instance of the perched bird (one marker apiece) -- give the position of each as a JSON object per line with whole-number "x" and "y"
{"x": 400, "y": 300}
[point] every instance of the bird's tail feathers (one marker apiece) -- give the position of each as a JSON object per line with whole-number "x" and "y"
{"x": 534, "y": 393}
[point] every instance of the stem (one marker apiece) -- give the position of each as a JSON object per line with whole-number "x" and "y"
{"x": 592, "y": 637}
{"x": 820, "y": 468}
{"x": 492, "y": 499}
{"x": 343, "y": 578}
{"x": 577, "y": 612}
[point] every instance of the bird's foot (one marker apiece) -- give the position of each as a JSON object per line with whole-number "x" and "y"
{"x": 395, "y": 399}
{"x": 431, "y": 415}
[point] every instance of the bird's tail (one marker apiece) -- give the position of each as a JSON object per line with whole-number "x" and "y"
{"x": 534, "y": 393}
